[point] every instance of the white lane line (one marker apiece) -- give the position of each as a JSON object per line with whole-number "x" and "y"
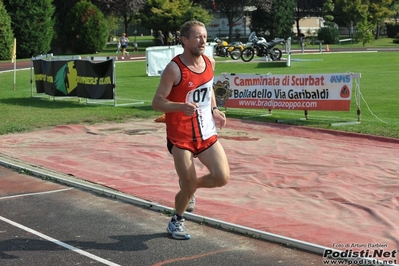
{"x": 37, "y": 193}
{"x": 60, "y": 243}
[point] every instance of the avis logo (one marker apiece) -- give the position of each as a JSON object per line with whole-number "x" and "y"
{"x": 340, "y": 79}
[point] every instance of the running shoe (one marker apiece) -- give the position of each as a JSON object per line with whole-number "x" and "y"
{"x": 191, "y": 203}
{"x": 177, "y": 229}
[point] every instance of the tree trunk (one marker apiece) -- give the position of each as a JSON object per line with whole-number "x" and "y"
{"x": 230, "y": 21}
{"x": 377, "y": 32}
{"x": 298, "y": 31}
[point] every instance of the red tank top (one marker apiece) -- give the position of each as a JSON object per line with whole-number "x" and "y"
{"x": 193, "y": 87}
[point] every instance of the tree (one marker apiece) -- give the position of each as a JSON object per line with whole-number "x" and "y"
{"x": 379, "y": 11}
{"x": 126, "y": 9}
{"x": 86, "y": 28}
{"x": 6, "y": 42}
{"x": 33, "y": 25}
{"x": 395, "y": 10}
{"x": 344, "y": 18}
{"x": 329, "y": 33}
{"x": 234, "y": 9}
{"x": 169, "y": 15}
{"x": 60, "y": 41}
{"x": 328, "y": 10}
{"x": 277, "y": 21}
{"x": 307, "y": 8}
{"x": 364, "y": 32}
{"x": 129, "y": 11}
{"x": 365, "y": 15}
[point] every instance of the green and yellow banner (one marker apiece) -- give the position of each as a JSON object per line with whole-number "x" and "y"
{"x": 75, "y": 78}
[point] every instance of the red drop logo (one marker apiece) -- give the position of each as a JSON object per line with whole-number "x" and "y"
{"x": 344, "y": 92}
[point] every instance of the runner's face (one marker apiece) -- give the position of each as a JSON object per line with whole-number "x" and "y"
{"x": 197, "y": 41}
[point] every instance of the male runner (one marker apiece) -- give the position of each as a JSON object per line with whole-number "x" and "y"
{"x": 185, "y": 94}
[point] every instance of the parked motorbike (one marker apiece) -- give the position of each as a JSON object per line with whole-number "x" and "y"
{"x": 261, "y": 47}
{"x": 225, "y": 49}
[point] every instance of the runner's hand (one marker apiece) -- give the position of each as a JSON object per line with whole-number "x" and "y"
{"x": 220, "y": 117}
{"x": 189, "y": 108}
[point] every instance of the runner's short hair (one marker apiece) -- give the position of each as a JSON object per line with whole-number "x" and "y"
{"x": 185, "y": 29}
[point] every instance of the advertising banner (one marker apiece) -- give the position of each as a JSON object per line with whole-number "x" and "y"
{"x": 291, "y": 92}
{"x": 74, "y": 78}
{"x": 39, "y": 75}
{"x": 94, "y": 80}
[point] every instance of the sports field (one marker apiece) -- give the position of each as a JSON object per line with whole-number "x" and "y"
{"x": 377, "y": 66}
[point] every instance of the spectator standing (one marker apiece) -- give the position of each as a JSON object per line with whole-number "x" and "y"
{"x": 302, "y": 40}
{"x": 160, "y": 38}
{"x": 118, "y": 47}
{"x": 171, "y": 39}
{"x": 177, "y": 38}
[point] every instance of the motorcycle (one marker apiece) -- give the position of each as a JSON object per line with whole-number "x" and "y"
{"x": 262, "y": 48}
{"x": 225, "y": 49}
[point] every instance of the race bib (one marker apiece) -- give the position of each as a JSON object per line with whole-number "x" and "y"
{"x": 200, "y": 96}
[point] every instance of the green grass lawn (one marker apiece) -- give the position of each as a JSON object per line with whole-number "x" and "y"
{"x": 379, "y": 96}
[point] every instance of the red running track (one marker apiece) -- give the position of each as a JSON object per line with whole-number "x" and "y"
{"x": 318, "y": 186}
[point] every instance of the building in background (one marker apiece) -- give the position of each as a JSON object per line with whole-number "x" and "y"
{"x": 309, "y": 25}
{"x": 219, "y": 27}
